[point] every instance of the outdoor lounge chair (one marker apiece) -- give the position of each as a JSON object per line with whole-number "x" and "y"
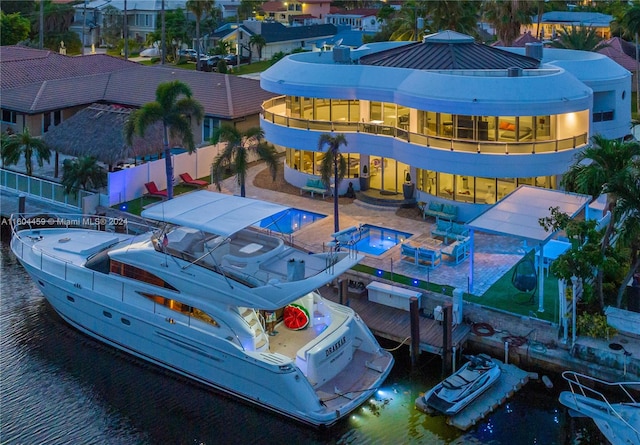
{"x": 152, "y": 188}
{"x": 187, "y": 179}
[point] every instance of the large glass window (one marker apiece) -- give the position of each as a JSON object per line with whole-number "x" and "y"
{"x": 129, "y": 271}
{"x": 181, "y": 308}
{"x": 475, "y": 189}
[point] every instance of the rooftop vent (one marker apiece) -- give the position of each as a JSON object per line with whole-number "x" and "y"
{"x": 534, "y": 50}
{"x": 341, "y": 54}
{"x": 514, "y": 71}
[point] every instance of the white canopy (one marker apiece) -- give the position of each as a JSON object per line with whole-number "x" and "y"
{"x": 212, "y": 212}
{"x": 518, "y": 214}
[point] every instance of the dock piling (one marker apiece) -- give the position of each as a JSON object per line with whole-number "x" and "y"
{"x": 447, "y": 312}
{"x": 415, "y": 330}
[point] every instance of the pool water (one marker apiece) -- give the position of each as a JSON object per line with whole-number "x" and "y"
{"x": 291, "y": 220}
{"x": 377, "y": 240}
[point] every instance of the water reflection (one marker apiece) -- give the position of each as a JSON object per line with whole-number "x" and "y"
{"x": 59, "y": 386}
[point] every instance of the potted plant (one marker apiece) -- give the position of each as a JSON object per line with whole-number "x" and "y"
{"x": 364, "y": 178}
{"x": 408, "y": 187}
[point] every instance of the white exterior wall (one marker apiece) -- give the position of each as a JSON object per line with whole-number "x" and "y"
{"x": 563, "y": 88}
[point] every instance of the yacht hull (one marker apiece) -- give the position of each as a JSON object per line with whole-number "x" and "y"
{"x": 117, "y": 311}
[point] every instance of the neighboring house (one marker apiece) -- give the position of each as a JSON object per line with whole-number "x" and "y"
{"x": 623, "y": 53}
{"x": 362, "y": 19}
{"x": 345, "y": 37}
{"x": 520, "y": 42}
{"x": 278, "y": 38}
{"x": 43, "y": 88}
{"x": 468, "y": 122}
{"x": 143, "y": 17}
{"x": 303, "y": 12}
{"x": 229, "y": 8}
{"x": 552, "y": 23}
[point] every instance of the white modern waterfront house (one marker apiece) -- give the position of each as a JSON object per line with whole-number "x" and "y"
{"x": 467, "y": 123}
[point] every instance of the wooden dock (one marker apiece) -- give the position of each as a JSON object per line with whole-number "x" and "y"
{"x": 395, "y": 324}
{"x": 511, "y": 380}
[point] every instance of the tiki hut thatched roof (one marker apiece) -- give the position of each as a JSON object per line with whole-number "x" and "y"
{"x": 98, "y": 131}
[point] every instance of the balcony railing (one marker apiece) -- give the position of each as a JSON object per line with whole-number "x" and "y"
{"x": 437, "y": 142}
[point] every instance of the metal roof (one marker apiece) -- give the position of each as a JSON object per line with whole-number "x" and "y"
{"x": 449, "y": 50}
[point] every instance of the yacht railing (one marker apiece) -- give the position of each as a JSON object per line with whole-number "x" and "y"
{"x": 586, "y": 386}
{"x": 437, "y": 142}
{"x": 81, "y": 277}
{"x": 42, "y": 189}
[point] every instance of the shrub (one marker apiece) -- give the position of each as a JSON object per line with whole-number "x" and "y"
{"x": 594, "y": 325}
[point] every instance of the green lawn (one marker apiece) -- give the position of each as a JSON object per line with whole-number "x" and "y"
{"x": 502, "y": 295}
{"x": 135, "y": 206}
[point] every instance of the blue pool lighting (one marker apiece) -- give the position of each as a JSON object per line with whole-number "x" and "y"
{"x": 123, "y": 207}
{"x": 377, "y": 240}
{"x": 290, "y": 220}
{"x": 415, "y": 282}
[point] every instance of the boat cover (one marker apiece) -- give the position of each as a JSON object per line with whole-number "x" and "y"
{"x": 212, "y": 212}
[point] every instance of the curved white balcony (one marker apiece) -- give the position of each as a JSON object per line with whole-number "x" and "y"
{"x": 274, "y": 111}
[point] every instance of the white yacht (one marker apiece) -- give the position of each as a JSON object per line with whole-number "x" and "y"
{"x": 189, "y": 295}
{"x": 619, "y": 419}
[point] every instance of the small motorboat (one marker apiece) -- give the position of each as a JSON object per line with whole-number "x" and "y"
{"x": 458, "y": 390}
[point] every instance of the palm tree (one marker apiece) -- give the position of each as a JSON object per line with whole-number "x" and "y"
{"x": 580, "y": 38}
{"x": 236, "y": 154}
{"x": 259, "y": 42}
{"x": 628, "y": 205}
{"x": 406, "y": 21}
{"x": 23, "y": 144}
{"x": 461, "y": 16}
{"x": 174, "y": 107}
{"x": 508, "y": 16}
{"x": 333, "y": 163}
{"x": 81, "y": 174}
{"x": 601, "y": 166}
{"x": 631, "y": 22}
{"x": 199, "y": 8}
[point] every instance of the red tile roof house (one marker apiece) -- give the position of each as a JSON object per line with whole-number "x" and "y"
{"x": 40, "y": 89}
{"x": 43, "y": 88}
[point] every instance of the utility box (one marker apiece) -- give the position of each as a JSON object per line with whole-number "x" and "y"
{"x": 393, "y": 296}
{"x": 457, "y": 305}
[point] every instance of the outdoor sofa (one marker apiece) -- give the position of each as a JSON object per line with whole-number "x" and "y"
{"x": 420, "y": 256}
{"x": 458, "y": 251}
{"x": 440, "y": 210}
{"x": 314, "y": 186}
{"x": 449, "y": 230}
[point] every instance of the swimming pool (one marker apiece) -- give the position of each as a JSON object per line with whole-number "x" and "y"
{"x": 377, "y": 240}
{"x": 291, "y": 220}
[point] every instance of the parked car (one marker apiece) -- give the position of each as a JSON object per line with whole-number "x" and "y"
{"x": 232, "y": 59}
{"x": 189, "y": 53}
{"x": 211, "y": 63}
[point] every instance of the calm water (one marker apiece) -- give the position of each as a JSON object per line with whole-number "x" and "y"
{"x": 377, "y": 240}
{"x": 60, "y": 387}
{"x": 289, "y": 221}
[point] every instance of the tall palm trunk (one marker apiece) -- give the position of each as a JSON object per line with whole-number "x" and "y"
{"x": 167, "y": 162}
{"x": 637, "y": 78}
{"x": 198, "y": 62}
{"x": 336, "y": 223}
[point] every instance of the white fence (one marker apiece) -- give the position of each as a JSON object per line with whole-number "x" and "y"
{"x": 128, "y": 183}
